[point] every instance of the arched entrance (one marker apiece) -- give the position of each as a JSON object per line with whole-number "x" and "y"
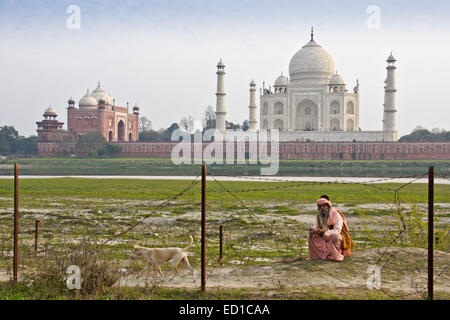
{"x": 350, "y": 125}
{"x": 335, "y": 108}
{"x": 121, "y": 131}
{"x": 130, "y": 137}
{"x": 265, "y": 109}
{"x": 306, "y": 116}
{"x": 335, "y": 125}
{"x": 350, "y": 108}
{"x": 110, "y": 136}
{"x": 278, "y": 109}
{"x": 278, "y": 124}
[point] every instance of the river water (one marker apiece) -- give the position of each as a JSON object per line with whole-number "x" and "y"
{"x": 256, "y": 178}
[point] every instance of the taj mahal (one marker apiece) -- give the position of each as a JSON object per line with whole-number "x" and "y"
{"x": 313, "y": 104}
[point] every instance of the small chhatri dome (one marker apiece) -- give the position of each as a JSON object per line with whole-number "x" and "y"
{"x": 281, "y": 81}
{"x": 391, "y": 58}
{"x": 252, "y": 84}
{"x": 136, "y": 109}
{"x": 311, "y": 62}
{"x": 87, "y": 100}
{"x": 220, "y": 64}
{"x": 50, "y": 112}
{"x": 71, "y": 101}
{"x": 337, "y": 80}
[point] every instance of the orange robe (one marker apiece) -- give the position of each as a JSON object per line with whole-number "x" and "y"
{"x": 330, "y": 245}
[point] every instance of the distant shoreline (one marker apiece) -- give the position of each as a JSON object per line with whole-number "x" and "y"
{"x": 143, "y": 167}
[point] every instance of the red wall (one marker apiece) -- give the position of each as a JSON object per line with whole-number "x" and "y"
{"x": 289, "y": 150}
{"x": 320, "y": 150}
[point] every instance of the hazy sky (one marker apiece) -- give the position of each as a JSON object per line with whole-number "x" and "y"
{"x": 162, "y": 55}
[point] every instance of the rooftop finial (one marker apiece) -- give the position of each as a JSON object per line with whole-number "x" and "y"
{"x": 312, "y": 33}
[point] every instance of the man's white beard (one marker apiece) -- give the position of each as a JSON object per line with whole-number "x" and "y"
{"x": 323, "y": 217}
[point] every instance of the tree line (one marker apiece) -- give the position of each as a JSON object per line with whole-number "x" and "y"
{"x": 13, "y": 144}
{"x": 423, "y": 135}
{"x": 186, "y": 124}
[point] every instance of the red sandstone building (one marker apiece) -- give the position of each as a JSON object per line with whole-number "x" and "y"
{"x": 96, "y": 112}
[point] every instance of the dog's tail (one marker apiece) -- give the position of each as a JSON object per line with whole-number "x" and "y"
{"x": 190, "y": 244}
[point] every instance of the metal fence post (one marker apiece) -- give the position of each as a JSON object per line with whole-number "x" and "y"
{"x": 203, "y": 253}
{"x": 430, "y": 230}
{"x": 221, "y": 242}
{"x": 36, "y": 235}
{"x": 16, "y": 220}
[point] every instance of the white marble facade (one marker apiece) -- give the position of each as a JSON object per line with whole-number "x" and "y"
{"x": 314, "y": 102}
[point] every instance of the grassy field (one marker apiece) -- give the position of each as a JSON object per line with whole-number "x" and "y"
{"x": 32, "y": 190}
{"x": 153, "y": 166}
{"x": 265, "y": 223}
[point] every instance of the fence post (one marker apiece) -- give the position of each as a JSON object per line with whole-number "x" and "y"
{"x": 16, "y": 220}
{"x": 203, "y": 253}
{"x": 36, "y": 235}
{"x": 221, "y": 241}
{"x": 430, "y": 230}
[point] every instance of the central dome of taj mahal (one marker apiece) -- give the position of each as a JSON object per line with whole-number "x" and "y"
{"x": 311, "y": 61}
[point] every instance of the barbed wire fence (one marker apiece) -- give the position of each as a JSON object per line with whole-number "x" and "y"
{"x": 382, "y": 255}
{"x": 284, "y": 244}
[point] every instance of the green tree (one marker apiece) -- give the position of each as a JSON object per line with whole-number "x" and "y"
{"x": 167, "y": 134}
{"x": 209, "y": 118}
{"x": 26, "y": 146}
{"x": 423, "y": 135}
{"x": 91, "y": 143}
{"x": 8, "y": 136}
{"x": 245, "y": 125}
{"x": 231, "y": 125}
{"x": 150, "y": 135}
{"x": 187, "y": 124}
{"x": 144, "y": 124}
{"x": 94, "y": 144}
{"x": 112, "y": 148}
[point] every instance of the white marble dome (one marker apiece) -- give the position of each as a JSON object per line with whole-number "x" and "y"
{"x": 88, "y": 101}
{"x": 100, "y": 94}
{"x": 337, "y": 80}
{"x": 50, "y": 112}
{"x": 311, "y": 61}
{"x": 281, "y": 81}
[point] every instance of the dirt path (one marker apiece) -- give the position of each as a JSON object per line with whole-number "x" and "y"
{"x": 403, "y": 270}
{"x": 302, "y": 274}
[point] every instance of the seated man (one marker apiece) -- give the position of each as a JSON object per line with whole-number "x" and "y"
{"x": 329, "y": 239}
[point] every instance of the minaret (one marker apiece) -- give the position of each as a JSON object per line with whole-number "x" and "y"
{"x": 252, "y": 122}
{"x": 389, "y": 116}
{"x": 220, "y": 94}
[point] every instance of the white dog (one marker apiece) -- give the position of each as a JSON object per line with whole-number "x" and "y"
{"x": 157, "y": 256}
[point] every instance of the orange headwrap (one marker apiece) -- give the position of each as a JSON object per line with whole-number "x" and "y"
{"x": 333, "y": 212}
{"x": 322, "y": 201}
